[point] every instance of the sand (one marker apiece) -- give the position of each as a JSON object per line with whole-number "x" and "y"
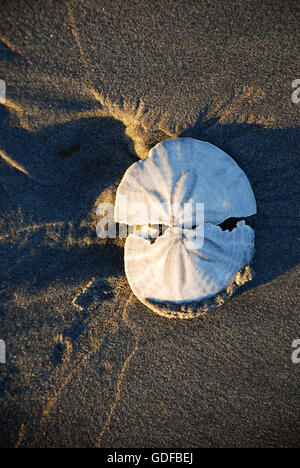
{"x": 91, "y": 86}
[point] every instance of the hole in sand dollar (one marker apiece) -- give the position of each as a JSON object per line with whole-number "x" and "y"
{"x": 229, "y": 224}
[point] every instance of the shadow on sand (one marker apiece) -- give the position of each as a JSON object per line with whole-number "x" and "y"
{"x": 71, "y": 164}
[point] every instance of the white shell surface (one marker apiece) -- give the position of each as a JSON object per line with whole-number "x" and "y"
{"x": 191, "y": 263}
{"x": 176, "y": 270}
{"x": 181, "y": 171}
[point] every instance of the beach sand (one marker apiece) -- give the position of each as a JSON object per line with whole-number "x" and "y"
{"x": 91, "y": 86}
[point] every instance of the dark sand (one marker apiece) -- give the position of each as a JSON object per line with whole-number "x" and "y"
{"x": 88, "y": 82}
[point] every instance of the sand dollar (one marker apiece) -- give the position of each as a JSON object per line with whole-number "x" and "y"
{"x": 191, "y": 264}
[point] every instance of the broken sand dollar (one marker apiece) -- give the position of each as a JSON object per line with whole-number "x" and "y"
{"x": 170, "y": 269}
{"x": 193, "y": 265}
{"x": 183, "y": 171}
